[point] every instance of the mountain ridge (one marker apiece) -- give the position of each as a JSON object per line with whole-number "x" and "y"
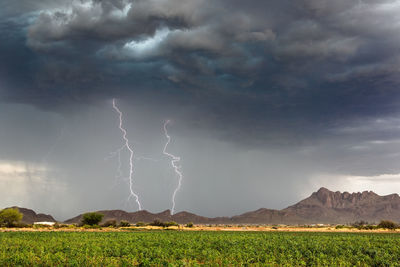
{"x": 322, "y": 206}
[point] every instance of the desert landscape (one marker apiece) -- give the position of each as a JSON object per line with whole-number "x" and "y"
{"x": 322, "y": 207}
{"x": 199, "y": 133}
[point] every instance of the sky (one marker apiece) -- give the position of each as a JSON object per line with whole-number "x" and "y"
{"x": 268, "y": 102}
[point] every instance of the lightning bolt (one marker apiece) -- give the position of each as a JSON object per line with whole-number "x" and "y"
{"x": 131, "y": 155}
{"x": 174, "y": 161}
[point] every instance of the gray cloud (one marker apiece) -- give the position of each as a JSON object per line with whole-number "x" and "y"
{"x": 314, "y": 31}
{"x": 295, "y": 47}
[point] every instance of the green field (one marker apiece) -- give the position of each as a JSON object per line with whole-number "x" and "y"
{"x": 155, "y": 248}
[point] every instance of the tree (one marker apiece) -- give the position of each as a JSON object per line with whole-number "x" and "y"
{"x": 157, "y": 222}
{"x": 9, "y": 217}
{"x": 168, "y": 224}
{"x": 387, "y": 225}
{"x": 92, "y": 218}
{"x": 110, "y": 223}
{"x": 124, "y": 224}
{"x": 163, "y": 224}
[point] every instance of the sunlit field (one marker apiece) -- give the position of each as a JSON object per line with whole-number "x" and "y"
{"x": 154, "y": 248}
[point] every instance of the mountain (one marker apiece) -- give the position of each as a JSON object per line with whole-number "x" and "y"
{"x": 323, "y": 206}
{"x": 29, "y": 216}
{"x": 145, "y": 216}
{"x": 335, "y": 207}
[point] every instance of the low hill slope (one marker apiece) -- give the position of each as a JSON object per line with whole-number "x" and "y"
{"x": 30, "y": 216}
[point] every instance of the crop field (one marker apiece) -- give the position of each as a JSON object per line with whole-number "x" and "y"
{"x": 175, "y": 248}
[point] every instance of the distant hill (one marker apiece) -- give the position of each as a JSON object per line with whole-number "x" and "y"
{"x": 323, "y": 206}
{"x": 29, "y": 216}
{"x": 145, "y": 216}
{"x": 336, "y": 207}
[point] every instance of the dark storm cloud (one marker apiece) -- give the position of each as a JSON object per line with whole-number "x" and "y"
{"x": 262, "y": 64}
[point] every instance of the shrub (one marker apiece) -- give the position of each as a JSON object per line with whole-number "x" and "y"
{"x": 22, "y": 225}
{"x": 189, "y": 225}
{"x": 124, "y": 224}
{"x": 9, "y": 217}
{"x": 92, "y": 218}
{"x": 110, "y": 223}
{"x": 157, "y": 223}
{"x": 95, "y": 226}
{"x": 140, "y": 224}
{"x": 339, "y": 227}
{"x": 58, "y": 225}
{"x": 387, "y": 225}
{"x": 41, "y": 226}
{"x": 363, "y": 225}
{"x": 359, "y": 224}
{"x": 168, "y": 224}
{"x": 370, "y": 227}
{"x": 163, "y": 224}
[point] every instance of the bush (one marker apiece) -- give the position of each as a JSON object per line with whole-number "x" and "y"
{"x": 41, "y": 226}
{"x": 189, "y": 225}
{"x": 359, "y": 224}
{"x": 363, "y": 225}
{"x": 157, "y": 223}
{"x": 110, "y": 223}
{"x": 124, "y": 224}
{"x": 10, "y": 217}
{"x": 370, "y": 227}
{"x": 140, "y": 224}
{"x": 58, "y": 225}
{"x": 163, "y": 224}
{"x": 92, "y": 218}
{"x": 387, "y": 225}
{"x": 172, "y": 223}
{"x": 22, "y": 225}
